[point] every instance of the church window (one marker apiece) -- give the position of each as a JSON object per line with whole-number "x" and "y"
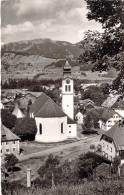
{"x": 69, "y": 88}
{"x": 61, "y": 127}
{"x": 69, "y": 131}
{"x": 69, "y": 125}
{"x": 13, "y": 149}
{"x": 7, "y": 150}
{"x": 65, "y": 87}
{"x": 40, "y": 128}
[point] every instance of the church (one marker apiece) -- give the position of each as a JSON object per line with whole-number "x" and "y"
{"x": 55, "y": 124}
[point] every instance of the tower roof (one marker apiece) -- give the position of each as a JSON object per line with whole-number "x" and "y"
{"x": 67, "y": 65}
{"x": 67, "y": 69}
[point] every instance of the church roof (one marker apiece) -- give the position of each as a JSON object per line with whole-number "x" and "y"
{"x": 49, "y": 110}
{"x": 41, "y": 100}
{"x": 70, "y": 121}
{"x": 116, "y": 133}
{"x": 7, "y": 135}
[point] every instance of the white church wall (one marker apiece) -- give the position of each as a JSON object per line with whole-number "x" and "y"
{"x": 51, "y": 129}
{"x": 72, "y": 130}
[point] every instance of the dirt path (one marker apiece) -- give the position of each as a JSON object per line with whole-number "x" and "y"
{"x": 80, "y": 146}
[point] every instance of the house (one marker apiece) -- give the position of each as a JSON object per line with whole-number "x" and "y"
{"x": 10, "y": 143}
{"x": 86, "y": 104}
{"x": 112, "y": 142}
{"x": 17, "y": 112}
{"x": 109, "y": 118}
{"x": 52, "y": 123}
{"x": 1, "y": 105}
{"x": 79, "y": 117}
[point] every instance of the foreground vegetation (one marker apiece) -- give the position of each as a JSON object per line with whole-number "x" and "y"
{"x": 89, "y": 173}
{"x": 96, "y": 187}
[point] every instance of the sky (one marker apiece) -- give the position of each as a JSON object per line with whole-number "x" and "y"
{"x": 63, "y": 20}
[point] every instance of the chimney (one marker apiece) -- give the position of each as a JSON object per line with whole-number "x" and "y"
{"x": 28, "y": 178}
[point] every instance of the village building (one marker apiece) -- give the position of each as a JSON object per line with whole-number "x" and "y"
{"x": 109, "y": 118}
{"x": 1, "y": 105}
{"x": 17, "y": 112}
{"x": 86, "y": 104}
{"x": 79, "y": 117}
{"x": 112, "y": 142}
{"x": 10, "y": 143}
{"x": 54, "y": 124}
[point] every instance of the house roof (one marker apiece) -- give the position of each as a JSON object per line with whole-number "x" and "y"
{"x": 70, "y": 121}
{"x": 41, "y": 100}
{"x": 7, "y": 135}
{"x": 118, "y": 105}
{"x": 117, "y": 134}
{"x": 49, "y": 110}
{"x": 110, "y": 101}
{"x": 107, "y": 114}
{"x": 18, "y": 113}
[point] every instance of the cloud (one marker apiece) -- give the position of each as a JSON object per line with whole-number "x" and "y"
{"x": 13, "y": 29}
{"x": 55, "y": 19}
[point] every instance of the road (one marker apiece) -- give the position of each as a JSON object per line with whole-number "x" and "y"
{"x": 71, "y": 150}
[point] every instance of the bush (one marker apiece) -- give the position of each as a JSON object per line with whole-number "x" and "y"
{"x": 8, "y": 119}
{"x": 10, "y": 161}
{"x": 25, "y": 128}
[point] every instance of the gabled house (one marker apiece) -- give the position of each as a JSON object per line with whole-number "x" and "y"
{"x": 79, "y": 117}
{"x": 10, "y": 143}
{"x": 109, "y": 118}
{"x": 112, "y": 142}
{"x": 86, "y": 104}
{"x": 17, "y": 112}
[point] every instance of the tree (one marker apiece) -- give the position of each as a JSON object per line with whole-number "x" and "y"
{"x": 115, "y": 164}
{"x": 106, "y": 49}
{"x": 25, "y": 128}
{"x": 10, "y": 161}
{"x": 50, "y": 169}
{"x": 8, "y": 119}
{"x": 85, "y": 166}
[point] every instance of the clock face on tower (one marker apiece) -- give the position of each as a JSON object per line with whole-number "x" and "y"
{"x": 67, "y": 81}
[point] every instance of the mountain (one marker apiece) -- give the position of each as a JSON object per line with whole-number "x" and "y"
{"x": 43, "y": 47}
{"x": 28, "y": 58}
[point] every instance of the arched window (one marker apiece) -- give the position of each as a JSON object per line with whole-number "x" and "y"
{"x": 61, "y": 127}
{"x": 40, "y": 128}
{"x": 65, "y": 87}
{"x": 69, "y": 88}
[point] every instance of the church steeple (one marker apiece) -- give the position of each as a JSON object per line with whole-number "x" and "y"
{"x": 67, "y": 91}
{"x": 66, "y": 69}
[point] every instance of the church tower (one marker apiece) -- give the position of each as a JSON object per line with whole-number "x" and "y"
{"x": 67, "y": 91}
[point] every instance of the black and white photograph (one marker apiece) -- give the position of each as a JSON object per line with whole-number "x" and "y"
{"x": 62, "y": 97}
